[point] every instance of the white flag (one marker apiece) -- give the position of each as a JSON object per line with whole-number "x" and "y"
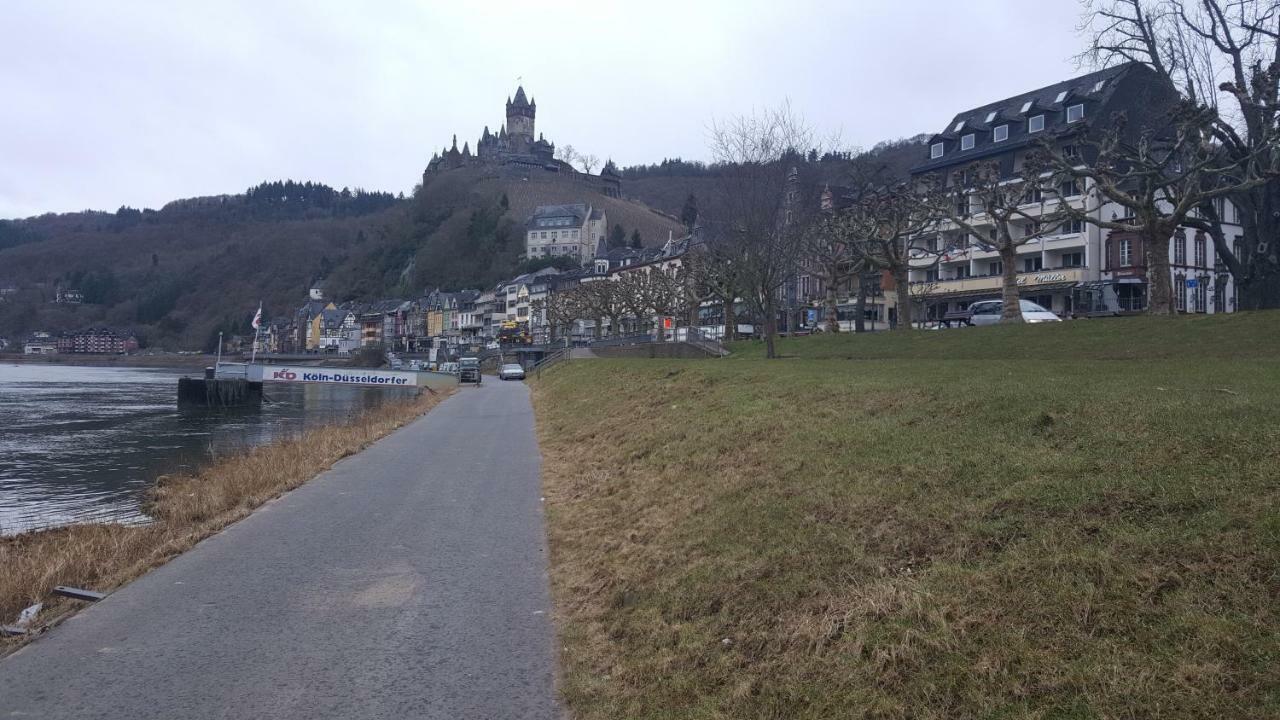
{"x": 257, "y": 319}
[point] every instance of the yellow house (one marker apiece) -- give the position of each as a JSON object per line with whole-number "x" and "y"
{"x": 315, "y": 326}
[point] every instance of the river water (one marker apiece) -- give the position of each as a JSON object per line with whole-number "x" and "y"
{"x": 80, "y": 444}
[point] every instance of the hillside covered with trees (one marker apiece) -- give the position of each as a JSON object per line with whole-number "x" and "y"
{"x": 178, "y": 275}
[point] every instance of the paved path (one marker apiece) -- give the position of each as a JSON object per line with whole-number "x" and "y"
{"x": 407, "y": 582}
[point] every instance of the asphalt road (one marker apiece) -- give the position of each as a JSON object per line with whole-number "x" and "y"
{"x": 409, "y": 581}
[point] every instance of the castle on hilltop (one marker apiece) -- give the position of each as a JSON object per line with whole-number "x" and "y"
{"x": 513, "y": 150}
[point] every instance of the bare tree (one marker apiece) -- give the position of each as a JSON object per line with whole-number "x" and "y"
{"x": 568, "y": 155}
{"x": 588, "y": 162}
{"x": 759, "y": 205}
{"x": 979, "y": 195}
{"x": 1222, "y": 55}
{"x": 831, "y": 257}
{"x": 713, "y": 270}
{"x": 1159, "y": 175}
{"x": 890, "y": 232}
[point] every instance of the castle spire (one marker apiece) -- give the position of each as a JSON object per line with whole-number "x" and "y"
{"x": 466, "y": 150}
{"x": 455, "y": 142}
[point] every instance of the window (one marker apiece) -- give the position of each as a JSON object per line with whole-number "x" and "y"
{"x": 1032, "y": 264}
{"x": 991, "y": 116}
{"x": 1126, "y": 253}
{"x": 1201, "y": 259}
{"x": 1073, "y": 260}
{"x": 1035, "y": 194}
{"x": 931, "y": 275}
{"x": 1072, "y": 227}
{"x": 966, "y": 142}
{"x": 1000, "y": 134}
{"x": 1030, "y": 229}
{"x": 962, "y": 272}
{"x": 1061, "y": 96}
{"x": 962, "y": 205}
{"x": 1069, "y": 188}
{"x": 995, "y": 268}
{"x": 1199, "y": 294}
{"x": 1075, "y": 113}
{"x": 1035, "y": 124}
{"x": 1097, "y": 87}
{"x": 959, "y": 126}
{"x": 935, "y": 151}
{"x": 1069, "y": 152}
{"x": 1179, "y": 249}
{"x": 1026, "y": 106}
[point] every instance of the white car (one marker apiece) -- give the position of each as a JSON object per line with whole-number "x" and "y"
{"x": 511, "y": 371}
{"x": 989, "y": 312}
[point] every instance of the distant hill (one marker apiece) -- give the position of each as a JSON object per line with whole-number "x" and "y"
{"x": 667, "y": 185}
{"x": 179, "y": 274}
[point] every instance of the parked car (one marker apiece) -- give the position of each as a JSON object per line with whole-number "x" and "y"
{"x": 511, "y": 371}
{"x": 988, "y": 312}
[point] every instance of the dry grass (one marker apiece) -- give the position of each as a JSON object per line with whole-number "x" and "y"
{"x": 916, "y": 536}
{"x": 185, "y": 509}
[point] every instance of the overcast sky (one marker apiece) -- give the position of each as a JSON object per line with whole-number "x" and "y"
{"x": 138, "y": 103}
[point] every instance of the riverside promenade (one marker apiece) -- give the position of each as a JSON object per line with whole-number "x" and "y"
{"x": 409, "y": 581}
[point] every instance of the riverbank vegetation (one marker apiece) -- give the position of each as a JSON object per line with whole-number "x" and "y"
{"x": 1079, "y": 520}
{"x": 185, "y": 509}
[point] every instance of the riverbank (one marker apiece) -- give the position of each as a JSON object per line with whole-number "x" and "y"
{"x": 1077, "y": 520}
{"x": 185, "y": 509}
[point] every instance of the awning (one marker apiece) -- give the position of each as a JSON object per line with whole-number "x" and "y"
{"x": 997, "y": 292}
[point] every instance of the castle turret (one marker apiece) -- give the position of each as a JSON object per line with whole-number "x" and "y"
{"x": 520, "y": 116}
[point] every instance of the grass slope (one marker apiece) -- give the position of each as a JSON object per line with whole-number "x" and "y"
{"x": 998, "y": 523}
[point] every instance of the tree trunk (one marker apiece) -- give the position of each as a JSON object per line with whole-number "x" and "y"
{"x": 599, "y": 327}
{"x": 730, "y": 321}
{"x": 1011, "y": 300}
{"x": 1259, "y": 211}
{"x": 860, "y": 308}
{"x": 833, "y": 309}
{"x": 1155, "y": 246}
{"x": 770, "y": 328}
{"x": 904, "y": 299}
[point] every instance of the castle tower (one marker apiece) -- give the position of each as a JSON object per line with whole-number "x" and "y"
{"x": 520, "y": 113}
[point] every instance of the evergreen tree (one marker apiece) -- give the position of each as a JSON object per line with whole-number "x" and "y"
{"x": 617, "y": 237}
{"x": 636, "y": 242}
{"x": 689, "y": 215}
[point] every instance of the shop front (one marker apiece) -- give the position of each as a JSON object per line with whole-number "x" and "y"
{"x": 946, "y": 299}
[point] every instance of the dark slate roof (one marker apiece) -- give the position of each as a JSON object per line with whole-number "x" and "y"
{"x": 557, "y": 216}
{"x": 1097, "y": 91}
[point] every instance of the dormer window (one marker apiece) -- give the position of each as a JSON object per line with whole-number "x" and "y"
{"x": 991, "y": 116}
{"x": 1035, "y": 124}
{"x": 1075, "y": 113}
{"x": 1026, "y": 106}
{"x": 959, "y": 126}
{"x": 1061, "y": 96}
{"x": 1097, "y": 87}
{"x": 966, "y": 142}
{"x": 935, "y": 151}
{"x": 1000, "y": 133}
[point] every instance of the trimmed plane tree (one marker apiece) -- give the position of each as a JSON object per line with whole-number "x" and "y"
{"x": 995, "y": 212}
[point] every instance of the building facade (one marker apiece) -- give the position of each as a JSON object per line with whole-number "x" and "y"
{"x": 576, "y": 231}
{"x": 1077, "y": 268}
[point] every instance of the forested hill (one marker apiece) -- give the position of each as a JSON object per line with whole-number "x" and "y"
{"x": 179, "y": 274}
{"x": 666, "y": 186}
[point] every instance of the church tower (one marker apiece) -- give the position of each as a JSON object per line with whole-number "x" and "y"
{"x": 520, "y": 113}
